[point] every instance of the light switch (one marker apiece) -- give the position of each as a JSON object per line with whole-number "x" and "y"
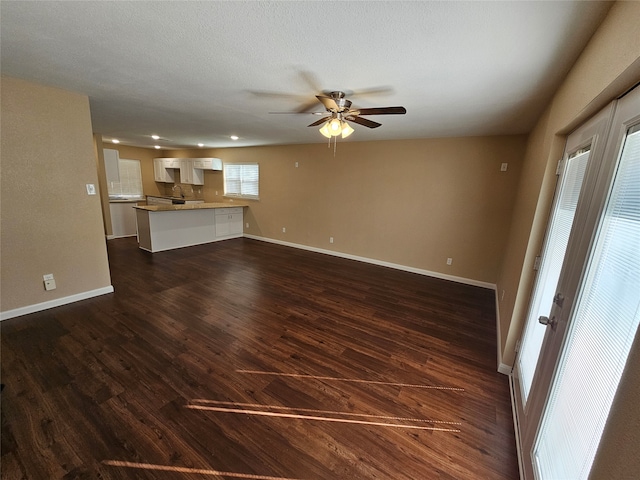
{"x": 503, "y": 167}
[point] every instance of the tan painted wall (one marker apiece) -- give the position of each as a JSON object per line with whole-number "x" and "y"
{"x": 49, "y": 223}
{"x": 409, "y": 202}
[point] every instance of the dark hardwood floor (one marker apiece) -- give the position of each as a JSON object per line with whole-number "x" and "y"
{"x": 243, "y": 359}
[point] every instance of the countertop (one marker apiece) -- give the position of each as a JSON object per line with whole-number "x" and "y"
{"x": 189, "y": 206}
{"x": 125, "y": 200}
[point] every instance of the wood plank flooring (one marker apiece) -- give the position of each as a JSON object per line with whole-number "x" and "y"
{"x": 243, "y": 359}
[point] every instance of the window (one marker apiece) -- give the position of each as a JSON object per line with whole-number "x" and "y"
{"x": 241, "y": 180}
{"x": 129, "y": 185}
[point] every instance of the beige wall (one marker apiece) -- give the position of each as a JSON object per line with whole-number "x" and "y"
{"x": 49, "y": 223}
{"x": 408, "y": 202}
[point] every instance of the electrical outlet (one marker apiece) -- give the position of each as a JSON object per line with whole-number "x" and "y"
{"x": 503, "y": 167}
{"x": 247, "y": 224}
{"x": 502, "y": 296}
{"x": 49, "y": 281}
{"x": 91, "y": 189}
{"x": 284, "y": 230}
{"x": 449, "y": 261}
{"x": 296, "y": 164}
{"x": 330, "y": 239}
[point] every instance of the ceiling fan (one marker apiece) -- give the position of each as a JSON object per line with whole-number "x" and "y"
{"x": 340, "y": 112}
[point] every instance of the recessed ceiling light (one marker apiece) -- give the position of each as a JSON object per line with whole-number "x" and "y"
{"x": 201, "y": 144}
{"x": 234, "y": 137}
{"x": 157, "y": 147}
{"x": 115, "y": 140}
{"x": 155, "y": 137}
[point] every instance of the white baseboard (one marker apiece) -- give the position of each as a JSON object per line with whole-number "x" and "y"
{"x": 442, "y": 276}
{"x": 504, "y": 368}
{"x": 516, "y": 426}
{"x": 111, "y": 237}
{"x": 38, "y": 307}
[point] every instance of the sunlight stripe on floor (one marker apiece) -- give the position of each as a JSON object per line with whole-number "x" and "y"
{"x": 320, "y": 419}
{"x": 197, "y": 471}
{"x": 312, "y": 410}
{"x": 352, "y": 380}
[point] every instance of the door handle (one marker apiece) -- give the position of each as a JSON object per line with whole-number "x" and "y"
{"x": 548, "y": 321}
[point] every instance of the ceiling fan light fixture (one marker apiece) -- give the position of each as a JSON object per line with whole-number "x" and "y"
{"x": 346, "y": 130}
{"x": 335, "y": 127}
{"x": 324, "y": 130}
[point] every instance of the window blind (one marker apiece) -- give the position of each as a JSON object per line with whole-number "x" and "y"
{"x": 242, "y": 180}
{"x": 130, "y": 181}
{"x": 601, "y": 332}
{"x": 552, "y": 258}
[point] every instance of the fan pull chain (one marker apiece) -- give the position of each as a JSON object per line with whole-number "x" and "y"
{"x": 335, "y": 142}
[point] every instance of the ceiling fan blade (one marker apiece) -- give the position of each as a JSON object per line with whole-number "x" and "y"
{"x": 372, "y": 91}
{"x": 269, "y": 94}
{"x": 296, "y": 113}
{"x": 311, "y": 80}
{"x": 319, "y": 122}
{"x": 363, "y": 121}
{"x": 306, "y": 107}
{"x": 329, "y": 103}
{"x": 383, "y": 111}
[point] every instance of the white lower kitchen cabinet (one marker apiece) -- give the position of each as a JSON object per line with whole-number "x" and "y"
{"x": 123, "y": 219}
{"x": 229, "y": 222}
{"x": 165, "y": 227}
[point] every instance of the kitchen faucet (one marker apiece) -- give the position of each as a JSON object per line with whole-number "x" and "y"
{"x": 173, "y": 189}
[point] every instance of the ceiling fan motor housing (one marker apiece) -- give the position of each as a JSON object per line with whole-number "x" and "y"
{"x": 341, "y": 101}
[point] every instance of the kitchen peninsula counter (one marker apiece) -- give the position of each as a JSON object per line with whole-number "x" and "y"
{"x": 189, "y": 206}
{"x": 165, "y": 227}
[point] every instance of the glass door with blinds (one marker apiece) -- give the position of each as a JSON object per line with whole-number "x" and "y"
{"x": 583, "y": 146}
{"x": 585, "y": 347}
{"x": 604, "y": 320}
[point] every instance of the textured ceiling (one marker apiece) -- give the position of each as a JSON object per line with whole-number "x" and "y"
{"x": 201, "y": 71}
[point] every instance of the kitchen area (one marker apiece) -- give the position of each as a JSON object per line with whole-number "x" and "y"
{"x": 168, "y": 202}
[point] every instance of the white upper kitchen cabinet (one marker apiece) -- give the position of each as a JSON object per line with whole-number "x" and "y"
{"x": 189, "y": 174}
{"x": 111, "y": 164}
{"x": 207, "y": 163}
{"x": 161, "y": 171}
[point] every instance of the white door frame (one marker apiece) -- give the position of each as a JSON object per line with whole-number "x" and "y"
{"x": 594, "y": 134}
